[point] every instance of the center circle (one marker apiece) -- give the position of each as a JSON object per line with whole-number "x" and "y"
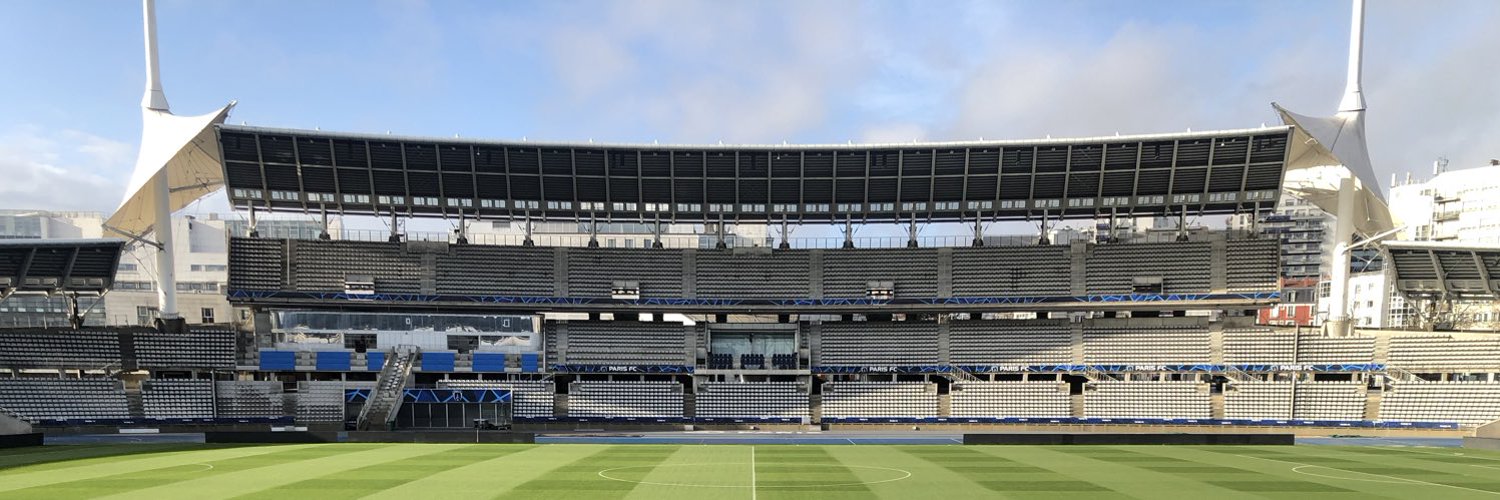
{"x": 614, "y": 473}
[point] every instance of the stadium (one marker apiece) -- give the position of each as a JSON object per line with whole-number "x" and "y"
{"x": 991, "y": 366}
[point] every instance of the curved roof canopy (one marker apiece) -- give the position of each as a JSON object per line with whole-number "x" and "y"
{"x": 1200, "y": 173}
{"x": 1325, "y": 150}
{"x": 183, "y": 149}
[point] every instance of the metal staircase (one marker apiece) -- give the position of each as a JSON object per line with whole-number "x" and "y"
{"x": 959, "y": 375}
{"x": 1239, "y": 375}
{"x": 380, "y": 409}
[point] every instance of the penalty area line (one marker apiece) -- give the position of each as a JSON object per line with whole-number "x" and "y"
{"x": 1407, "y": 480}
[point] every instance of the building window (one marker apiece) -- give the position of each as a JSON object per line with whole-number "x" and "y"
{"x": 144, "y": 315}
{"x": 208, "y": 315}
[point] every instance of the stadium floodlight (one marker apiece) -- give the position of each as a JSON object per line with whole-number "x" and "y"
{"x": 178, "y": 163}
{"x": 1328, "y": 165}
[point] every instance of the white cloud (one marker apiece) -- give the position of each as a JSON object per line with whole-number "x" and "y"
{"x": 893, "y": 132}
{"x": 61, "y": 170}
{"x": 717, "y": 71}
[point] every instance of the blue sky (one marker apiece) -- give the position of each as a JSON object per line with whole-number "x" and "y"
{"x": 731, "y": 71}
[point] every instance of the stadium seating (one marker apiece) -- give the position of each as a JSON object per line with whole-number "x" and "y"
{"x": 1443, "y": 352}
{"x": 847, "y": 273}
{"x": 625, "y": 342}
{"x": 177, "y": 398}
{"x": 1331, "y": 401}
{"x": 1248, "y": 346}
{"x": 529, "y": 398}
{"x": 1033, "y": 270}
{"x": 1264, "y": 346}
{"x": 249, "y": 399}
{"x": 1146, "y": 399}
{"x": 878, "y": 343}
{"x": 1317, "y": 349}
{"x": 1251, "y": 265}
{"x": 637, "y": 399}
{"x": 64, "y": 399}
{"x": 58, "y": 348}
{"x": 1314, "y": 401}
{"x": 200, "y": 348}
{"x": 1042, "y": 399}
{"x": 323, "y": 266}
{"x": 879, "y": 400}
{"x": 991, "y": 271}
{"x": 1183, "y": 267}
{"x": 591, "y": 271}
{"x": 496, "y": 270}
{"x": 323, "y": 401}
{"x": 257, "y": 264}
{"x": 782, "y": 274}
{"x": 1018, "y": 342}
{"x": 1469, "y": 403}
{"x": 751, "y": 400}
{"x": 1146, "y": 345}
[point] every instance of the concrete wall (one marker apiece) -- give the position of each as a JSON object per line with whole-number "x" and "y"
{"x": 12, "y": 425}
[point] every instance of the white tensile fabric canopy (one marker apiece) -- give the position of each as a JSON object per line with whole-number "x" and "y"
{"x": 184, "y": 149}
{"x": 1325, "y": 150}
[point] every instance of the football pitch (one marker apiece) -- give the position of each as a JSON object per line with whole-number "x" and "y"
{"x": 733, "y": 472}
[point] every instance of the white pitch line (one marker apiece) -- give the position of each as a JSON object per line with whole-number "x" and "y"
{"x": 752, "y": 472}
{"x": 1409, "y": 450}
{"x": 1413, "y": 481}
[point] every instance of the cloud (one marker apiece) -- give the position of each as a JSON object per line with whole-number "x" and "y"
{"x": 61, "y": 170}
{"x": 1427, "y": 72}
{"x": 893, "y": 132}
{"x": 696, "y": 71}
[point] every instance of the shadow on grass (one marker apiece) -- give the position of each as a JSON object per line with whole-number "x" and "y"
{"x": 14, "y": 458}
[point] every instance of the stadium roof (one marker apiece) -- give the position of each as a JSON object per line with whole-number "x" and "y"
{"x": 37, "y": 265}
{"x": 180, "y": 148}
{"x": 307, "y": 170}
{"x": 1324, "y": 151}
{"x": 1436, "y": 269}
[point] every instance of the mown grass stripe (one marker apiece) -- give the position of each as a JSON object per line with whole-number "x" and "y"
{"x": 298, "y": 465}
{"x": 130, "y": 481}
{"x": 50, "y": 457}
{"x": 62, "y": 472}
{"x": 580, "y": 481}
{"x": 356, "y": 483}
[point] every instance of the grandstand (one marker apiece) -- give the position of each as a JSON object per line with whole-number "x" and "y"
{"x": 1007, "y": 332}
{"x": 1108, "y": 331}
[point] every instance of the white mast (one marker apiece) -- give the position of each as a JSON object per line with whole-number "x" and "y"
{"x": 155, "y": 98}
{"x": 1352, "y": 110}
{"x": 155, "y": 102}
{"x": 1354, "y": 98}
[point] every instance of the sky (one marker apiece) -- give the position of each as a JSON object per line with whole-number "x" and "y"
{"x": 736, "y": 72}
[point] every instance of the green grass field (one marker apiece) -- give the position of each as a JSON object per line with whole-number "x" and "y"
{"x": 732, "y": 472}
